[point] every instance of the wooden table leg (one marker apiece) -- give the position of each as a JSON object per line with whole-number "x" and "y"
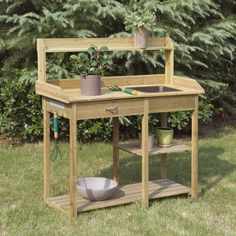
{"x": 194, "y": 191}
{"x": 145, "y": 162}
{"x": 116, "y": 164}
{"x": 164, "y": 156}
{"x": 46, "y": 150}
{"x": 73, "y": 161}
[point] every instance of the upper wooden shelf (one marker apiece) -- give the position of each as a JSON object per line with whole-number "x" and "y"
{"x": 113, "y": 44}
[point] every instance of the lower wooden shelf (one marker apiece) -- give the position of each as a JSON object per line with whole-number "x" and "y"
{"x": 124, "y": 195}
{"x": 135, "y": 149}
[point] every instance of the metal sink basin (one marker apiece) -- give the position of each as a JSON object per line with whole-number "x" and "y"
{"x": 154, "y": 89}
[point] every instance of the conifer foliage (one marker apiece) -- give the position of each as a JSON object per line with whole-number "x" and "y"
{"x": 204, "y": 34}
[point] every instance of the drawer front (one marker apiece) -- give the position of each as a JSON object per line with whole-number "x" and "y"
{"x": 109, "y": 109}
{"x": 171, "y": 104}
{"x": 62, "y": 109}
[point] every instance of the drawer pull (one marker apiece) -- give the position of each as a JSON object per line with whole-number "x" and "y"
{"x": 111, "y": 109}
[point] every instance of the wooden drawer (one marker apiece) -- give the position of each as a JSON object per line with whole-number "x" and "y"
{"x": 171, "y": 104}
{"x": 62, "y": 109}
{"x": 104, "y": 109}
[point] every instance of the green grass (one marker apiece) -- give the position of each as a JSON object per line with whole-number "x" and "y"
{"x": 22, "y": 211}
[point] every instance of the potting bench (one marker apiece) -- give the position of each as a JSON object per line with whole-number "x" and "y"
{"x": 63, "y": 97}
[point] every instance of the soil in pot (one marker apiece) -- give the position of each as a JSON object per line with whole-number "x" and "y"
{"x": 90, "y": 85}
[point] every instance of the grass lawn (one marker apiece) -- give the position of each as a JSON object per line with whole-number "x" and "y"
{"x": 22, "y": 211}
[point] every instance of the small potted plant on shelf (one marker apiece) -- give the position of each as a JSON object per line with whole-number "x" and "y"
{"x": 165, "y": 136}
{"x": 150, "y": 140}
{"x": 91, "y": 65}
{"x": 140, "y": 22}
{"x": 151, "y": 133}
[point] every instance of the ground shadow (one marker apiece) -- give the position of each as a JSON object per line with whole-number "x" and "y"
{"x": 212, "y": 169}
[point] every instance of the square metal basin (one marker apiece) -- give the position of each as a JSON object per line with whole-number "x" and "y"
{"x": 154, "y": 89}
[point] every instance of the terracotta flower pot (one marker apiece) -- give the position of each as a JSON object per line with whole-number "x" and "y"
{"x": 150, "y": 140}
{"x": 140, "y": 37}
{"x": 90, "y": 85}
{"x": 165, "y": 137}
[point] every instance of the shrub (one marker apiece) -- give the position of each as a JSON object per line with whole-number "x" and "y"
{"x": 20, "y": 110}
{"x": 181, "y": 120}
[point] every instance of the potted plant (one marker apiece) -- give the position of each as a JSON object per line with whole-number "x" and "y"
{"x": 91, "y": 65}
{"x": 151, "y": 133}
{"x": 150, "y": 140}
{"x": 165, "y": 136}
{"x": 140, "y": 22}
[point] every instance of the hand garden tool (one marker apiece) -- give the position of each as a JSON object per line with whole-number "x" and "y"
{"x": 125, "y": 90}
{"x": 56, "y": 152}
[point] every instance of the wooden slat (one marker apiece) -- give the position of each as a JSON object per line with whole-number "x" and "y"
{"x": 62, "y": 109}
{"x": 169, "y": 63}
{"x": 194, "y": 173}
{"x": 116, "y": 161}
{"x": 73, "y": 95}
{"x": 129, "y": 80}
{"x": 131, "y": 189}
{"x": 113, "y": 44}
{"x": 126, "y": 194}
{"x": 106, "y": 94}
{"x": 54, "y": 82}
{"x": 172, "y": 103}
{"x": 188, "y": 83}
{"x": 58, "y": 207}
{"x": 126, "y": 80}
{"x": 109, "y": 95}
{"x": 73, "y": 161}
{"x": 164, "y": 155}
{"x": 103, "y": 109}
{"x": 135, "y": 149}
{"x": 130, "y": 195}
{"x": 145, "y": 156}
{"x": 134, "y": 106}
{"x": 41, "y": 60}
{"x": 46, "y": 148}
{"x": 51, "y": 91}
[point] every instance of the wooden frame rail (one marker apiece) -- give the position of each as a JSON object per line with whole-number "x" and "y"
{"x": 50, "y": 45}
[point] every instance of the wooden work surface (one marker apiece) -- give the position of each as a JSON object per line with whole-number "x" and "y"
{"x": 68, "y": 91}
{"x": 60, "y": 94}
{"x": 124, "y": 195}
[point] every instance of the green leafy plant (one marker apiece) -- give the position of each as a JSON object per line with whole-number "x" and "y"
{"x": 181, "y": 120}
{"x": 140, "y": 18}
{"x": 94, "y": 61}
{"x": 20, "y": 110}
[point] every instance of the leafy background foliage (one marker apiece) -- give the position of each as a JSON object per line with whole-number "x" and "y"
{"x": 204, "y": 34}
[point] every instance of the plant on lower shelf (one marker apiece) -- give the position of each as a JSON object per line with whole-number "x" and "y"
{"x": 140, "y": 22}
{"x": 90, "y": 65}
{"x": 165, "y": 136}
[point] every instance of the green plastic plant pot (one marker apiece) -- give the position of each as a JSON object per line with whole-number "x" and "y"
{"x": 165, "y": 137}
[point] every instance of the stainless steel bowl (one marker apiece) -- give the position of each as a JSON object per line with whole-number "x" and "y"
{"x": 96, "y": 188}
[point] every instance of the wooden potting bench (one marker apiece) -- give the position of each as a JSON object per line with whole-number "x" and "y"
{"x": 63, "y": 97}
